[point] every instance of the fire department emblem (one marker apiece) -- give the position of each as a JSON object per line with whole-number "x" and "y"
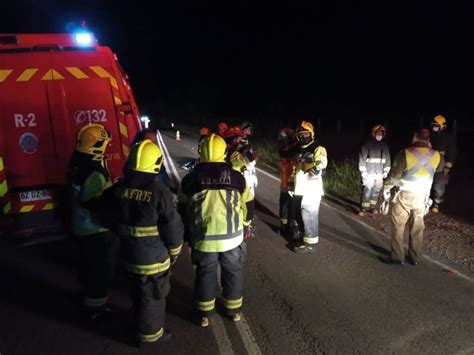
{"x": 29, "y": 143}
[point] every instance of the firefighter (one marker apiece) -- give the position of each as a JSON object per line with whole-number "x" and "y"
{"x": 222, "y": 128}
{"x": 151, "y": 134}
{"x": 236, "y": 157}
{"x": 151, "y": 235}
{"x": 204, "y": 132}
{"x": 286, "y": 151}
{"x": 306, "y": 184}
{"x": 412, "y": 171}
{"x": 443, "y": 142}
{"x": 212, "y": 199}
{"x": 250, "y": 171}
{"x": 374, "y": 166}
{"x": 88, "y": 178}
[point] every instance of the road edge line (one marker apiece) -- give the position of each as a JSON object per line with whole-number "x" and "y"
{"x": 427, "y": 257}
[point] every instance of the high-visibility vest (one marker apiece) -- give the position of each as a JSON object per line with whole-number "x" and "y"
{"x": 421, "y": 164}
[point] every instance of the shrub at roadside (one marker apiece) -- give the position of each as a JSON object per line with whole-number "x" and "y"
{"x": 343, "y": 178}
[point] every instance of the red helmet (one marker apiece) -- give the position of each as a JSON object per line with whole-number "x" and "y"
{"x": 204, "y": 131}
{"x": 221, "y": 128}
{"x": 233, "y": 132}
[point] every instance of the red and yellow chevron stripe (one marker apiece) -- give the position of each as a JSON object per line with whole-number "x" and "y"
{"x": 29, "y": 74}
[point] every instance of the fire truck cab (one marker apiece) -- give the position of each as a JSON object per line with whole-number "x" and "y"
{"x": 51, "y": 85}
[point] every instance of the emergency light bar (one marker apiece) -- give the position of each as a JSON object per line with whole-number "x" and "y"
{"x": 83, "y": 38}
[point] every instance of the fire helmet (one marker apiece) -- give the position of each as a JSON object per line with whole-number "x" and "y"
{"x": 213, "y": 149}
{"x": 145, "y": 157}
{"x": 440, "y": 121}
{"x": 93, "y": 139}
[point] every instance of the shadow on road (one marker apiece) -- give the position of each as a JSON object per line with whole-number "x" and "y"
{"x": 42, "y": 281}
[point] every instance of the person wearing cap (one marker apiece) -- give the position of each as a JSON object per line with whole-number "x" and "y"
{"x": 412, "y": 172}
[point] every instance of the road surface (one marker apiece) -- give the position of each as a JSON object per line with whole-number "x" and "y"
{"x": 341, "y": 299}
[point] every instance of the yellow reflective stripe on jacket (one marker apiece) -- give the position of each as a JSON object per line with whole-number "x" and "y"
{"x": 95, "y": 302}
{"x": 150, "y": 338}
{"x": 176, "y": 250}
{"x": 148, "y": 269}
{"x": 134, "y": 231}
{"x": 233, "y": 304}
{"x": 205, "y": 306}
{"x": 218, "y": 216}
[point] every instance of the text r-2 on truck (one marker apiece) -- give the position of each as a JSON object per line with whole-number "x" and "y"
{"x": 51, "y": 85}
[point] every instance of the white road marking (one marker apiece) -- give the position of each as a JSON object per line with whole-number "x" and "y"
{"x": 223, "y": 342}
{"x": 368, "y": 226}
{"x": 166, "y": 153}
{"x": 250, "y": 343}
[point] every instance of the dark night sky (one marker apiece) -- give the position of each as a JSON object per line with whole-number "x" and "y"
{"x": 254, "y": 57}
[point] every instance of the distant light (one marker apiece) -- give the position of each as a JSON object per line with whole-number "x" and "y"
{"x": 83, "y": 38}
{"x": 172, "y": 124}
{"x": 145, "y": 120}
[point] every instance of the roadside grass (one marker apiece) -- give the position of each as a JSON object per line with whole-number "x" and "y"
{"x": 267, "y": 153}
{"x": 342, "y": 176}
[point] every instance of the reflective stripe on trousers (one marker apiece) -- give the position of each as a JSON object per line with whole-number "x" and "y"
{"x": 310, "y": 215}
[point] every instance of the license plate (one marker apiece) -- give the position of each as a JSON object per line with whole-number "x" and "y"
{"x": 37, "y": 195}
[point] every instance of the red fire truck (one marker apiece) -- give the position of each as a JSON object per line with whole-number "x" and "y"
{"x": 50, "y": 86}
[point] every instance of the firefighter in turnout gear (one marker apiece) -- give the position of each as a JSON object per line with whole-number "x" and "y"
{"x": 374, "y": 166}
{"x": 88, "y": 178}
{"x": 247, "y": 155}
{"x": 212, "y": 200}
{"x": 286, "y": 150}
{"x": 238, "y": 157}
{"x": 444, "y": 143}
{"x": 151, "y": 235}
{"x": 412, "y": 171}
{"x": 306, "y": 184}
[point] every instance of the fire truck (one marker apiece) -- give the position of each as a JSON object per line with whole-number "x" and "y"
{"x": 51, "y": 85}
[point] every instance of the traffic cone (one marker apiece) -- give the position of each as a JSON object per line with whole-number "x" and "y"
{"x": 178, "y": 137}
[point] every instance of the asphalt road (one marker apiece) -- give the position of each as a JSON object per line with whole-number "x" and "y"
{"x": 341, "y": 299}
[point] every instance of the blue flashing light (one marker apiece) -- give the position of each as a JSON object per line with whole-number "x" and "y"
{"x": 83, "y": 38}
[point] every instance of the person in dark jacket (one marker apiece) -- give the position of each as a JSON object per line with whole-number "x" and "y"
{"x": 374, "y": 166}
{"x": 151, "y": 235}
{"x": 443, "y": 142}
{"x": 88, "y": 178}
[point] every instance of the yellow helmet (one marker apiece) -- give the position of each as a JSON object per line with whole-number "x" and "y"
{"x": 439, "y": 120}
{"x": 146, "y": 157}
{"x": 305, "y": 126}
{"x": 93, "y": 139}
{"x": 378, "y": 128}
{"x": 213, "y": 149}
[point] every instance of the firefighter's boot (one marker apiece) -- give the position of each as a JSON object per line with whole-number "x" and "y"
{"x": 305, "y": 249}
